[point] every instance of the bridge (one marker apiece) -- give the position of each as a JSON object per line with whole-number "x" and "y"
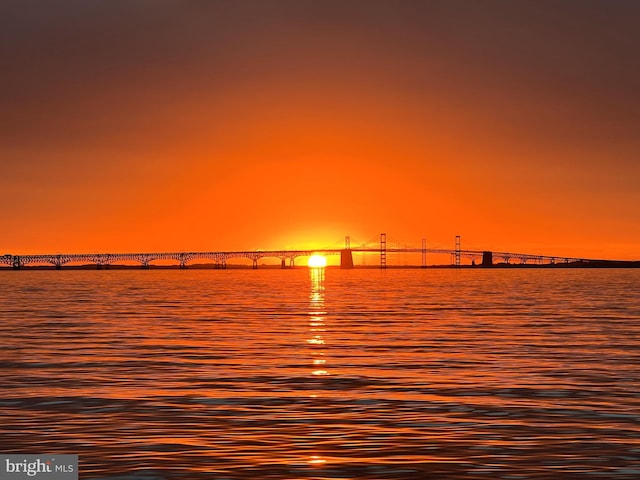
{"x": 219, "y": 259}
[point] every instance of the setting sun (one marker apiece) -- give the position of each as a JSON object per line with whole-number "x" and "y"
{"x": 317, "y": 261}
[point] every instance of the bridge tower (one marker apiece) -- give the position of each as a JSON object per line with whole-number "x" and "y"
{"x": 424, "y": 253}
{"x": 346, "y": 257}
{"x": 487, "y": 259}
{"x": 16, "y": 262}
{"x": 383, "y": 250}
{"x": 457, "y": 251}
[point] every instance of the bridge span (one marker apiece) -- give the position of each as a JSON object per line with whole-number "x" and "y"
{"x": 287, "y": 257}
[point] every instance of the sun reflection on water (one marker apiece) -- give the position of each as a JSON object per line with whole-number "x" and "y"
{"x": 317, "y": 315}
{"x": 316, "y": 342}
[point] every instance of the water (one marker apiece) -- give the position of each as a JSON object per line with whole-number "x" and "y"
{"x": 269, "y": 374}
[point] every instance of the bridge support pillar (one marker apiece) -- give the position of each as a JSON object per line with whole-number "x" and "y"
{"x": 283, "y": 263}
{"x": 487, "y": 259}
{"x": 346, "y": 258}
{"x": 16, "y": 263}
{"x": 254, "y": 265}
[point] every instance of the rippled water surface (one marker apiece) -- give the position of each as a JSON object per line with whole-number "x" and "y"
{"x": 296, "y": 374}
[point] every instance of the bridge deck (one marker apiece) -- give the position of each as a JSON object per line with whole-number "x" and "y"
{"x": 221, "y": 257}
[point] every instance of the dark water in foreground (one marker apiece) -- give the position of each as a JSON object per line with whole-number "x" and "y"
{"x": 504, "y": 374}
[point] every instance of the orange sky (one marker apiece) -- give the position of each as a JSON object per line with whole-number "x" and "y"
{"x": 242, "y": 125}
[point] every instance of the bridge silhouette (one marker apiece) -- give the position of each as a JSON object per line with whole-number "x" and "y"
{"x": 220, "y": 258}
